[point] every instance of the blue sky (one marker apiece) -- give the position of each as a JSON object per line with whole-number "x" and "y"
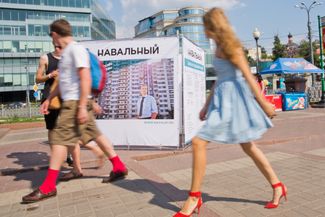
{"x": 271, "y": 17}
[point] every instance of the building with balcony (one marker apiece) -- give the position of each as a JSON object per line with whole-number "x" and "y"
{"x": 121, "y": 94}
{"x": 186, "y": 21}
{"x": 24, "y": 37}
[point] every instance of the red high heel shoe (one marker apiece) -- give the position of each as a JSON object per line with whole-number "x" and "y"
{"x": 271, "y": 205}
{"x": 198, "y": 205}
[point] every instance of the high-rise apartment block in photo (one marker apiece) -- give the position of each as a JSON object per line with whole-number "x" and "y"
{"x": 119, "y": 98}
{"x": 186, "y": 21}
{"x": 24, "y": 37}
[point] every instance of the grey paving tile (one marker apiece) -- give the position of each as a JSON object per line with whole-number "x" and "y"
{"x": 250, "y": 212}
{"x": 228, "y": 212}
{"x": 88, "y": 214}
{"x": 104, "y": 213}
{"x": 309, "y": 212}
{"x": 83, "y": 208}
{"x": 119, "y": 210}
{"x": 4, "y": 209}
{"x": 68, "y": 210}
{"x": 140, "y": 213}
{"x": 321, "y": 210}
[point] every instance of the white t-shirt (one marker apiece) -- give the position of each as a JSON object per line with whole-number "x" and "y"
{"x": 73, "y": 57}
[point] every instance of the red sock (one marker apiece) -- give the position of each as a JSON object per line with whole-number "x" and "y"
{"x": 118, "y": 165}
{"x": 49, "y": 183}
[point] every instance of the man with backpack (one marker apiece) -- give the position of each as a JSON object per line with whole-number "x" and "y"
{"x": 76, "y": 116}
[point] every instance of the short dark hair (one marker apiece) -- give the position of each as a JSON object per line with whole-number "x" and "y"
{"x": 61, "y": 27}
{"x": 259, "y": 77}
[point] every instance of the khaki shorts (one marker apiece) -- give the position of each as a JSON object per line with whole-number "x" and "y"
{"x": 68, "y": 131}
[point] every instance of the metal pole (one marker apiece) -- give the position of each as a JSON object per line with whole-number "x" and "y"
{"x": 321, "y": 58}
{"x": 27, "y": 86}
{"x": 321, "y": 103}
{"x": 310, "y": 46}
{"x": 257, "y": 56}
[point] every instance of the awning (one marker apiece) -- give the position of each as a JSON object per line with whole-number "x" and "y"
{"x": 291, "y": 66}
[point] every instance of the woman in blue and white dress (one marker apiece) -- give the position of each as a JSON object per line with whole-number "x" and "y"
{"x": 235, "y": 112}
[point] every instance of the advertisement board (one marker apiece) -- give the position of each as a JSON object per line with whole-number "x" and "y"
{"x": 194, "y": 94}
{"x": 140, "y": 107}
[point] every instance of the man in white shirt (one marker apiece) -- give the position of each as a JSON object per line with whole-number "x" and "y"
{"x": 146, "y": 105}
{"x": 76, "y": 116}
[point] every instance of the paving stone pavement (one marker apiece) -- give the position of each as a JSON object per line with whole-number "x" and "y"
{"x": 159, "y": 180}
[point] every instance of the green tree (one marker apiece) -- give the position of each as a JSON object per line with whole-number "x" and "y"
{"x": 250, "y": 60}
{"x": 278, "y": 49}
{"x": 304, "y": 51}
{"x": 263, "y": 53}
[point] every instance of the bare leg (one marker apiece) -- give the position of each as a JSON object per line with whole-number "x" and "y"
{"x": 48, "y": 187}
{"x": 97, "y": 151}
{"x": 75, "y": 152}
{"x": 106, "y": 146}
{"x": 198, "y": 172}
{"x": 264, "y": 166}
{"x": 58, "y": 156}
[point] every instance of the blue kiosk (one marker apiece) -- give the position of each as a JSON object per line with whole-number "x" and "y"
{"x": 294, "y": 98}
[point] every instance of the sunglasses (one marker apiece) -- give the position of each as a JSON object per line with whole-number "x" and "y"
{"x": 57, "y": 46}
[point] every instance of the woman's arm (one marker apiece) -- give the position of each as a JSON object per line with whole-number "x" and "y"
{"x": 204, "y": 110}
{"x": 241, "y": 63}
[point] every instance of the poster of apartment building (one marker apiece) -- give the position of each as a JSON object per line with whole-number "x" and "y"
{"x": 153, "y": 64}
{"x": 138, "y": 89}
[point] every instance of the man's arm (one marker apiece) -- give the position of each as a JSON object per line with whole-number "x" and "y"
{"x": 42, "y": 65}
{"x": 45, "y": 105}
{"x": 154, "y": 111}
{"x": 85, "y": 87}
{"x": 40, "y": 73}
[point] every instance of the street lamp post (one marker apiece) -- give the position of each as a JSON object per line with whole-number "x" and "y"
{"x": 256, "y": 35}
{"x": 321, "y": 103}
{"x": 302, "y": 5}
{"x": 27, "y": 86}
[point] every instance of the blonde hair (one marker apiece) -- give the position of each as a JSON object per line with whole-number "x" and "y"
{"x": 219, "y": 29}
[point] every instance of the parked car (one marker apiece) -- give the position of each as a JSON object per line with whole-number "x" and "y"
{"x": 16, "y": 105}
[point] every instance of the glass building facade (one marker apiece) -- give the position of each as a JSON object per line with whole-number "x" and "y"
{"x": 187, "y": 21}
{"x": 24, "y": 37}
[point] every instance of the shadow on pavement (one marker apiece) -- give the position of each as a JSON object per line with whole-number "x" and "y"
{"x": 207, "y": 197}
{"x": 171, "y": 193}
{"x": 35, "y": 178}
{"x": 29, "y": 159}
{"x": 148, "y": 186}
{"x": 32, "y": 167}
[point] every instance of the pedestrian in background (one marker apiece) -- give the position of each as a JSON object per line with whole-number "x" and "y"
{"x": 260, "y": 83}
{"x": 76, "y": 117}
{"x": 235, "y": 112}
{"x": 47, "y": 72}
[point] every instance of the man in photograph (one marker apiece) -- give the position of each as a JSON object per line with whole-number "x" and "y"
{"x": 146, "y": 105}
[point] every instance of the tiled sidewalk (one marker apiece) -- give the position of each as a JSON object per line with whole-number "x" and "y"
{"x": 157, "y": 186}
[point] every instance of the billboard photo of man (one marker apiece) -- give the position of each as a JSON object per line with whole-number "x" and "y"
{"x": 146, "y": 105}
